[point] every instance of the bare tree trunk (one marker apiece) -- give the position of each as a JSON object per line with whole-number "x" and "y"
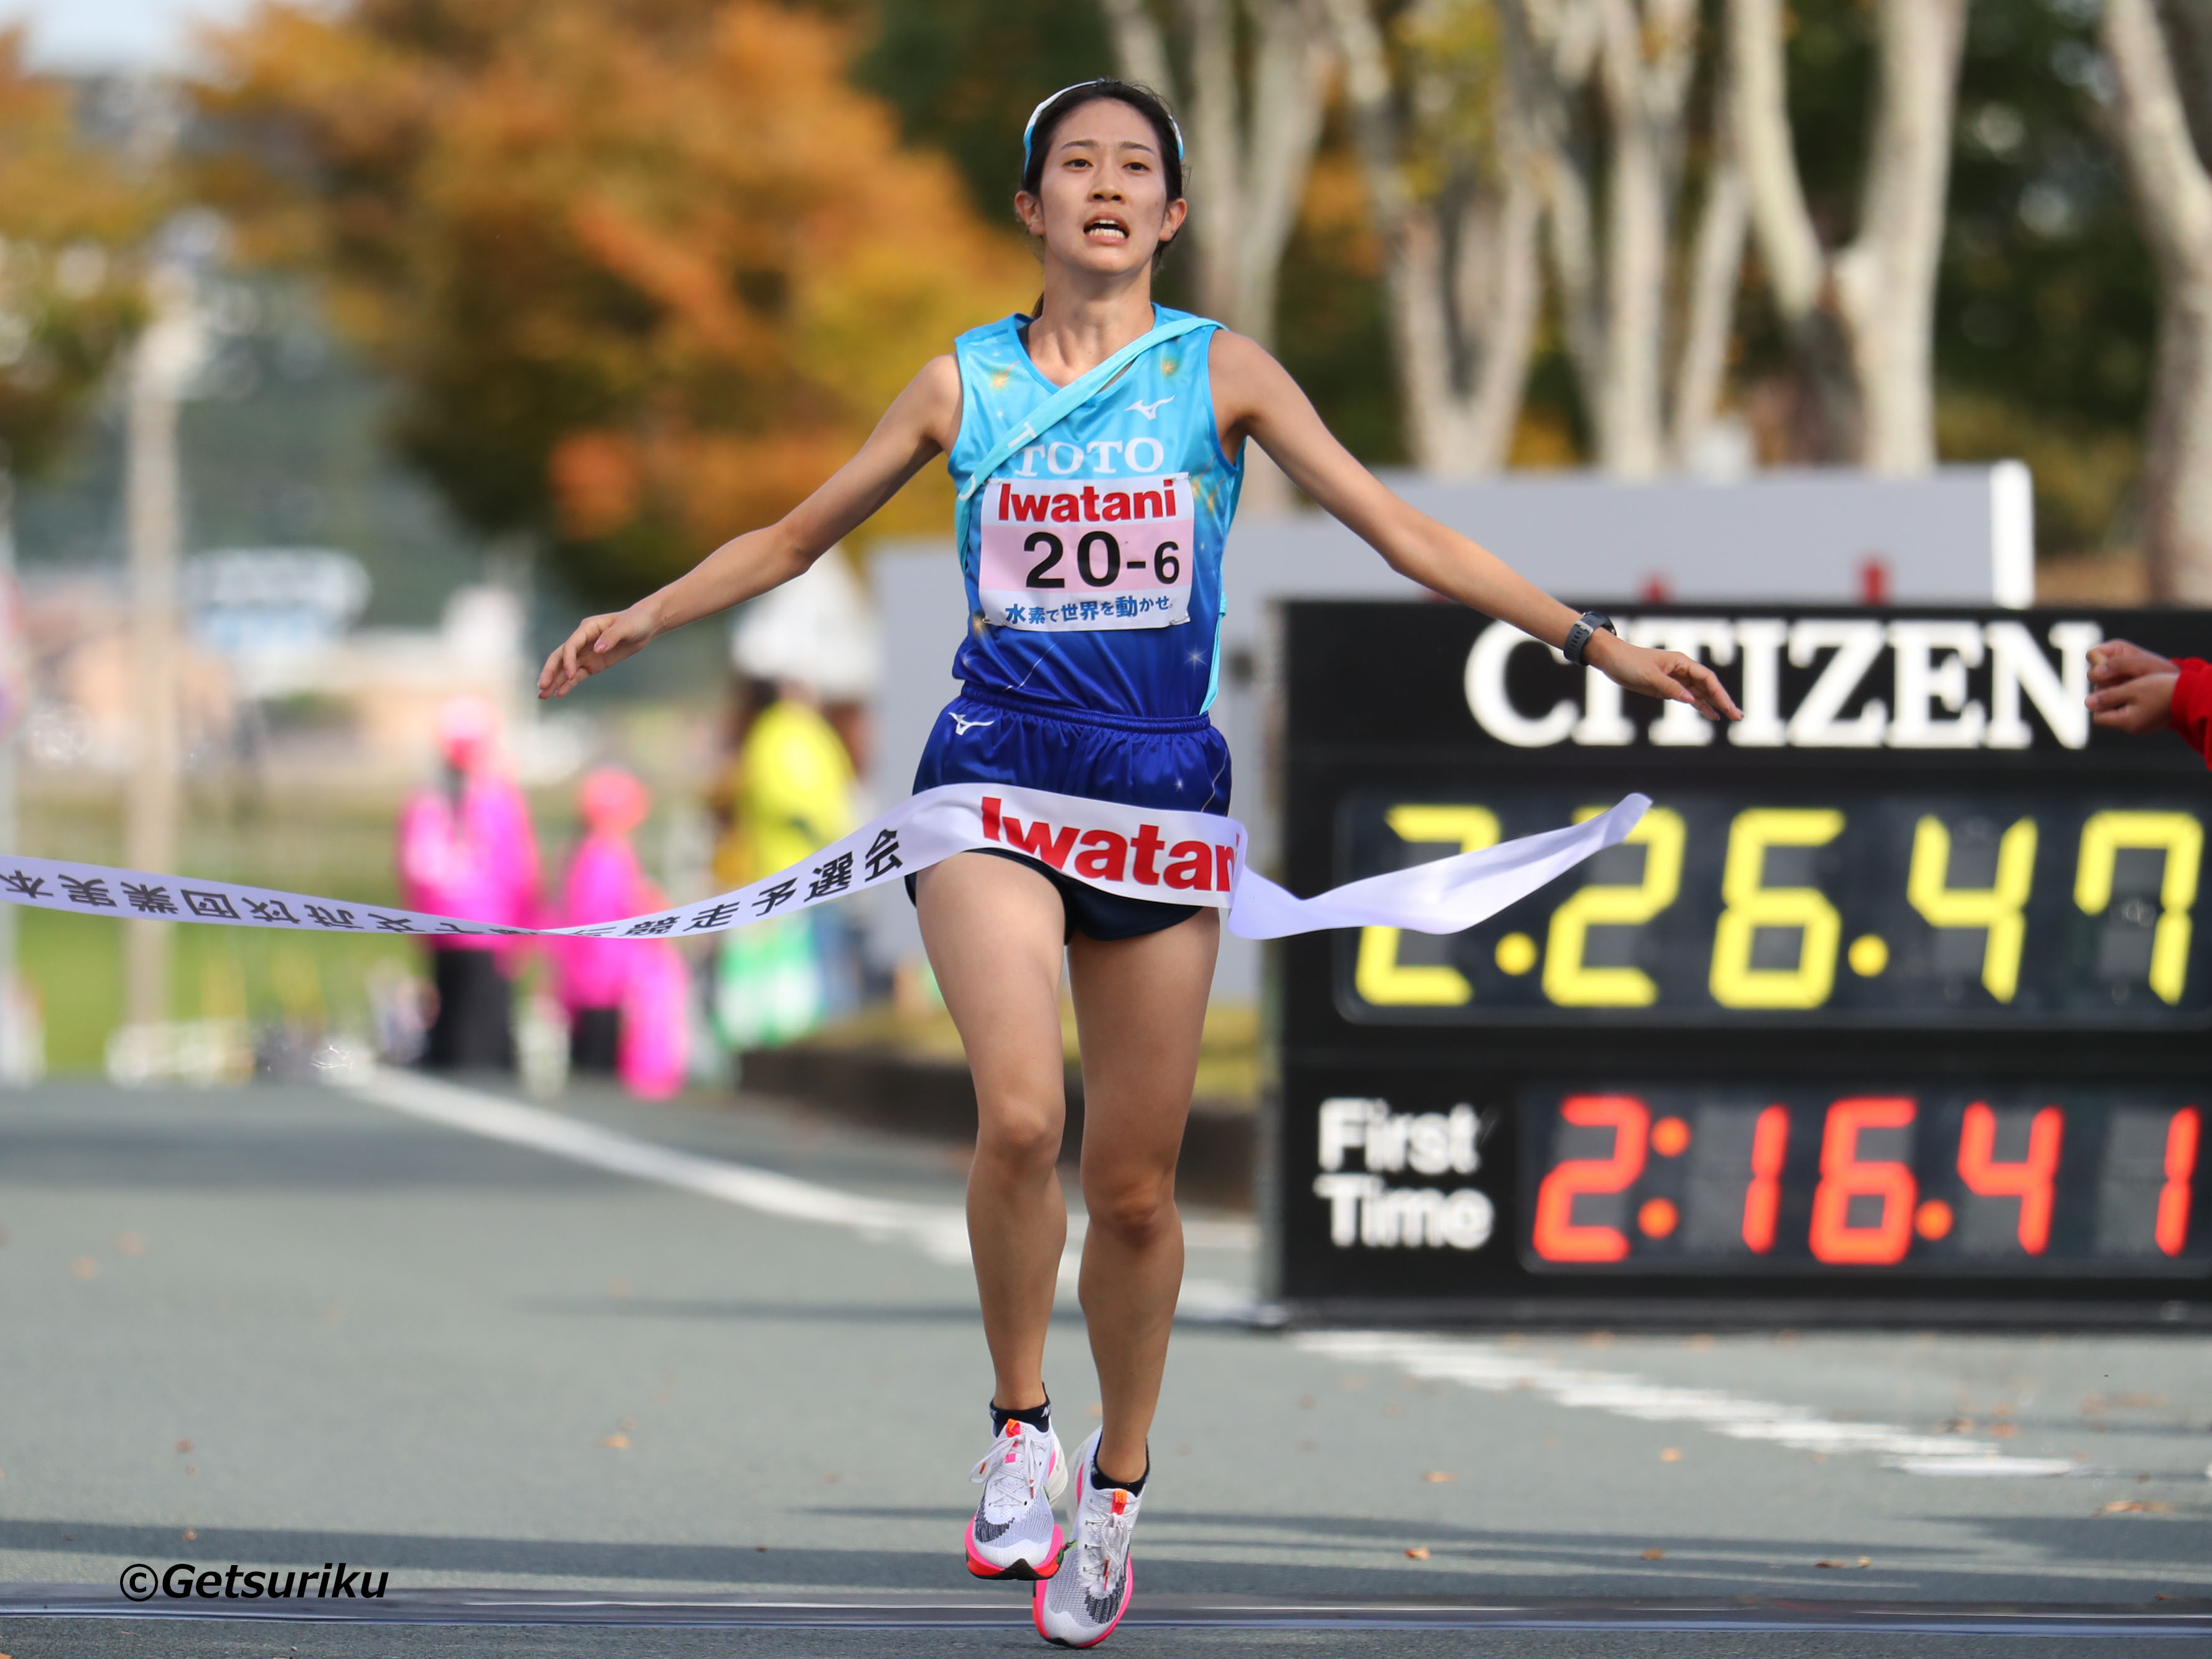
{"x": 1885, "y": 280}
{"x": 2174, "y": 198}
{"x": 1716, "y": 273}
{"x": 1216, "y": 154}
{"x": 1293, "y": 64}
{"x": 2189, "y": 39}
{"x": 1615, "y": 298}
{"x": 1880, "y": 290}
{"x": 1643, "y": 76}
{"x": 1138, "y": 45}
{"x": 1497, "y": 276}
{"x": 1463, "y": 267}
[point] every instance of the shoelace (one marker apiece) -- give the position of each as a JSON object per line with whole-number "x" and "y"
{"x": 1105, "y": 1549}
{"x": 1009, "y": 1484}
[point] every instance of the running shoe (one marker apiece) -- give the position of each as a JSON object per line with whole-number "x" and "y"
{"x": 1078, "y": 1608}
{"x": 1014, "y": 1534}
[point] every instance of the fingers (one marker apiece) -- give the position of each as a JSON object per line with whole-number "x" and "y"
{"x": 1714, "y": 699}
{"x": 569, "y": 665}
{"x": 2136, "y": 706}
{"x": 2117, "y": 661}
{"x": 1690, "y": 682}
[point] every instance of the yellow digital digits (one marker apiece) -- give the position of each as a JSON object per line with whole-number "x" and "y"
{"x": 1753, "y": 905}
{"x": 1381, "y": 980}
{"x": 1567, "y": 980}
{"x": 2180, "y": 837}
{"x": 1997, "y": 907}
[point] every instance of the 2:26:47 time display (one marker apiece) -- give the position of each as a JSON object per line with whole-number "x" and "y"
{"x": 1889, "y": 908}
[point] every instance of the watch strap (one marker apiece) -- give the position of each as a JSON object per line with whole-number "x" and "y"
{"x": 1578, "y": 636}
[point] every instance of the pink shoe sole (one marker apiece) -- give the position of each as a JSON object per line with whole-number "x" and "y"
{"x": 1020, "y": 1570}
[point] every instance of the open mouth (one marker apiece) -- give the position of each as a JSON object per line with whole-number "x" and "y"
{"x": 1106, "y": 230}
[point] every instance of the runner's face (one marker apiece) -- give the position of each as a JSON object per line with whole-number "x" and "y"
{"x": 1102, "y": 203}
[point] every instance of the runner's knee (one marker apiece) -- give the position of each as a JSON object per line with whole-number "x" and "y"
{"x": 1135, "y": 1206}
{"x": 1019, "y": 1137}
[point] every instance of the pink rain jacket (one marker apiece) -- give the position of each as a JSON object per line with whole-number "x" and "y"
{"x": 645, "y": 978}
{"x": 479, "y": 864}
{"x": 604, "y": 884}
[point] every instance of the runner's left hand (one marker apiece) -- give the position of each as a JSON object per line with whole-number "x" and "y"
{"x": 598, "y": 644}
{"x": 1667, "y": 675}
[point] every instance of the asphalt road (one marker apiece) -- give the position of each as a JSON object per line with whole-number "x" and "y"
{"x": 714, "y": 1377}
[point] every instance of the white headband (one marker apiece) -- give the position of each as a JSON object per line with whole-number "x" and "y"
{"x": 1029, "y": 131}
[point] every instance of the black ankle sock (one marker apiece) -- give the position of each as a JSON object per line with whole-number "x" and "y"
{"x": 1134, "y": 1488}
{"x": 1037, "y": 1417}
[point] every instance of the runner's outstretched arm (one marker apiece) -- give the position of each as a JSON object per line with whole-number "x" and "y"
{"x": 923, "y": 421}
{"x": 1256, "y": 397}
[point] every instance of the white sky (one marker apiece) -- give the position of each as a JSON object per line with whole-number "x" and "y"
{"x": 80, "y": 35}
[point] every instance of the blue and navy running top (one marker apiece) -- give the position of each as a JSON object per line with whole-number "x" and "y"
{"x": 1093, "y": 562}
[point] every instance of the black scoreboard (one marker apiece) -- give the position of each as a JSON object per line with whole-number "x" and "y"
{"x": 1894, "y": 1006}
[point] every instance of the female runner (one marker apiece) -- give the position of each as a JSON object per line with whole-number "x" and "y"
{"x": 1106, "y": 701}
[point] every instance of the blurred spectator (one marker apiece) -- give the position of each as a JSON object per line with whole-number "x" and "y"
{"x": 808, "y": 658}
{"x": 2139, "y": 691}
{"x": 604, "y": 883}
{"x": 467, "y": 850}
{"x": 627, "y": 999}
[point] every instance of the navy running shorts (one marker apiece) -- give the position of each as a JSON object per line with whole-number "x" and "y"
{"x": 1180, "y": 764}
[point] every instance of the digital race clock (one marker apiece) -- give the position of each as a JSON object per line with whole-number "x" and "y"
{"x": 1895, "y": 1000}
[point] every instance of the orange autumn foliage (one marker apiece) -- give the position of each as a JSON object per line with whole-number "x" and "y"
{"x": 69, "y": 223}
{"x": 646, "y": 272}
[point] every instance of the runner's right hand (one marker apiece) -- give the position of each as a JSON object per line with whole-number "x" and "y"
{"x": 598, "y": 644}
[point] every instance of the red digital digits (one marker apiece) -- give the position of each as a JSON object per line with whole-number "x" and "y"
{"x": 2180, "y": 1167}
{"x": 1555, "y": 1236}
{"x": 2028, "y": 1180}
{"x": 1762, "y": 1200}
{"x": 1844, "y": 1176}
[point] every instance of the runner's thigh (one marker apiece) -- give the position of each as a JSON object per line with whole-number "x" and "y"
{"x": 993, "y": 930}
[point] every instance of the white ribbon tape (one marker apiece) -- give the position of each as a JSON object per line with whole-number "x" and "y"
{"x": 1176, "y": 857}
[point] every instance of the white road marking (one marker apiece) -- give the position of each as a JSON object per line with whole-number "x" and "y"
{"x": 938, "y": 1230}
{"x": 1496, "y": 1370}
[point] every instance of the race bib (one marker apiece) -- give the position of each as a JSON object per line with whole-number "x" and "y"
{"x": 1086, "y": 553}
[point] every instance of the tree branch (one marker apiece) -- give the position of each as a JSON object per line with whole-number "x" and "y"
{"x": 1716, "y": 274}
{"x": 1291, "y": 74}
{"x": 1787, "y": 244}
{"x": 1139, "y": 49}
{"x": 2170, "y": 184}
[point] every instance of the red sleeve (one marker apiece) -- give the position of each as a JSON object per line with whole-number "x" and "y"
{"x": 2193, "y": 705}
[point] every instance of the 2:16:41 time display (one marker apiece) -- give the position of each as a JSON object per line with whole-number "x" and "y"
{"x": 1883, "y": 908}
{"x": 1814, "y": 1181}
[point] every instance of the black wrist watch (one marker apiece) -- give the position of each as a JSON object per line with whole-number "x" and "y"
{"x": 1578, "y": 636}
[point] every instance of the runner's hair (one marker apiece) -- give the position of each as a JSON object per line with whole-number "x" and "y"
{"x": 1139, "y": 98}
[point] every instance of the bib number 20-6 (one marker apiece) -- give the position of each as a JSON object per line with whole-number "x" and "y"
{"x": 1077, "y": 553}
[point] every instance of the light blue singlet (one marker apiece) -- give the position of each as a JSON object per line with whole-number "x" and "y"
{"x": 1093, "y": 562}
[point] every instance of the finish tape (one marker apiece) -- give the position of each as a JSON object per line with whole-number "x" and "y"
{"x": 1169, "y": 857}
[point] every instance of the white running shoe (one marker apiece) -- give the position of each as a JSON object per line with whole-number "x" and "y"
{"x": 1080, "y": 1608}
{"x": 1014, "y": 1534}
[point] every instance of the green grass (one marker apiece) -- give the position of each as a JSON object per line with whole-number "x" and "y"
{"x": 257, "y": 974}
{"x": 343, "y": 850}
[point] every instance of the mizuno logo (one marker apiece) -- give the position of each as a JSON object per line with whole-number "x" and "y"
{"x": 1151, "y": 411}
{"x": 965, "y": 726}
